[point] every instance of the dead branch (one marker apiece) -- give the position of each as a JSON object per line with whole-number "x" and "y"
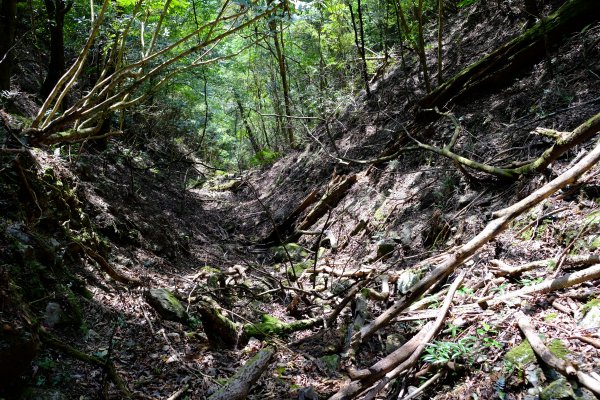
{"x": 462, "y": 253}
{"x": 399, "y": 360}
{"x": 239, "y": 385}
{"x": 500, "y": 268}
{"x": 565, "y": 367}
{"x": 562, "y": 282}
{"x": 71, "y": 351}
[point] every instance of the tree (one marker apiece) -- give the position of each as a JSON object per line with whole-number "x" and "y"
{"x": 56, "y": 9}
{"x": 136, "y": 78}
{"x": 8, "y": 13}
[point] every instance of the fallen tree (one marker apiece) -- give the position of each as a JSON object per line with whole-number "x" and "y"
{"x": 524, "y": 50}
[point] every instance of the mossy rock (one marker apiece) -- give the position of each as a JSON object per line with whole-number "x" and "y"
{"x": 167, "y": 305}
{"x": 558, "y": 389}
{"x": 521, "y": 355}
{"x": 295, "y": 272}
{"x": 295, "y": 251}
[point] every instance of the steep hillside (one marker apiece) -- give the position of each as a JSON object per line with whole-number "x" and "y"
{"x": 120, "y": 278}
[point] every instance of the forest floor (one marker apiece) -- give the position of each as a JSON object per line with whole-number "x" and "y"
{"x": 207, "y": 239}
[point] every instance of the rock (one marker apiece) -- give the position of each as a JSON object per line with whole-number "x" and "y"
{"x": 295, "y": 251}
{"x": 591, "y": 320}
{"x": 393, "y": 342}
{"x": 556, "y": 390}
{"x": 53, "y": 315}
{"x": 385, "y": 247}
{"x": 341, "y": 286}
{"x": 166, "y": 304}
{"x": 406, "y": 280}
{"x": 331, "y": 362}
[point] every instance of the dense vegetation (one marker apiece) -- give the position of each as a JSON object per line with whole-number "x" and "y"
{"x": 227, "y": 198}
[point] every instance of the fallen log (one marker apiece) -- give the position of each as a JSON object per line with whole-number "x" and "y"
{"x": 281, "y": 230}
{"x": 399, "y": 360}
{"x": 239, "y": 385}
{"x": 457, "y": 256}
{"x": 526, "y": 49}
{"x": 565, "y": 367}
{"x": 335, "y": 193}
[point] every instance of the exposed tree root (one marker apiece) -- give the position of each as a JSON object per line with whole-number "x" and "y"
{"x": 107, "y": 365}
{"x": 564, "y": 142}
{"x": 564, "y": 367}
{"x": 500, "y": 268}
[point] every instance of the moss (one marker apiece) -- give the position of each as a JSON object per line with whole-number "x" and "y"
{"x": 550, "y": 316}
{"x": 268, "y": 325}
{"x": 295, "y": 251}
{"x": 557, "y": 347}
{"x": 589, "y": 305}
{"x": 520, "y": 355}
{"x": 298, "y": 269}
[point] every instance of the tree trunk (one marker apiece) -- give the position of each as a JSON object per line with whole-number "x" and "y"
{"x": 8, "y": 13}
{"x": 360, "y": 43}
{"x": 421, "y": 45}
{"x": 279, "y": 54}
{"x": 56, "y": 10}
{"x": 524, "y": 50}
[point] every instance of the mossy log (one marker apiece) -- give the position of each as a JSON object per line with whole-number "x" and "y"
{"x": 238, "y": 386}
{"x": 51, "y": 341}
{"x": 271, "y": 326}
{"x": 222, "y": 332}
{"x": 524, "y": 50}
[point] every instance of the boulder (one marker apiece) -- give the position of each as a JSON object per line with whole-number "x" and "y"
{"x": 167, "y": 305}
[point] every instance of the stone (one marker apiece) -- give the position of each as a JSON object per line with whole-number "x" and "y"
{"x": 385, "y": 247}
{"x": 591, "y": 320}
{"x": 393, "y": 342}
{"x": 294, "y": 250}
{"x": 53, "y": 315}
{"x": 407, "y": 279}
{"x": 166, "y": 304}
{"x": 556, "y": 390}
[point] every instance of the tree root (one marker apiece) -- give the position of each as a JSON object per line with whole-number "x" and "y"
{"x": 107, "y": 365}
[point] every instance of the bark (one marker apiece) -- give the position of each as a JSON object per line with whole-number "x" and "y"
{"x": 522, "y": 51}
{"x": 285, "y": 86}
{"x": 56, "y": 9}
{"x": 8, "y": 14}
{"x": 421, "y": 45}
{"x": 239, "y": 385}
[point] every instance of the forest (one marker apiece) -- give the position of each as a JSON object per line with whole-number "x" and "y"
{"x": 320, "y": 199}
